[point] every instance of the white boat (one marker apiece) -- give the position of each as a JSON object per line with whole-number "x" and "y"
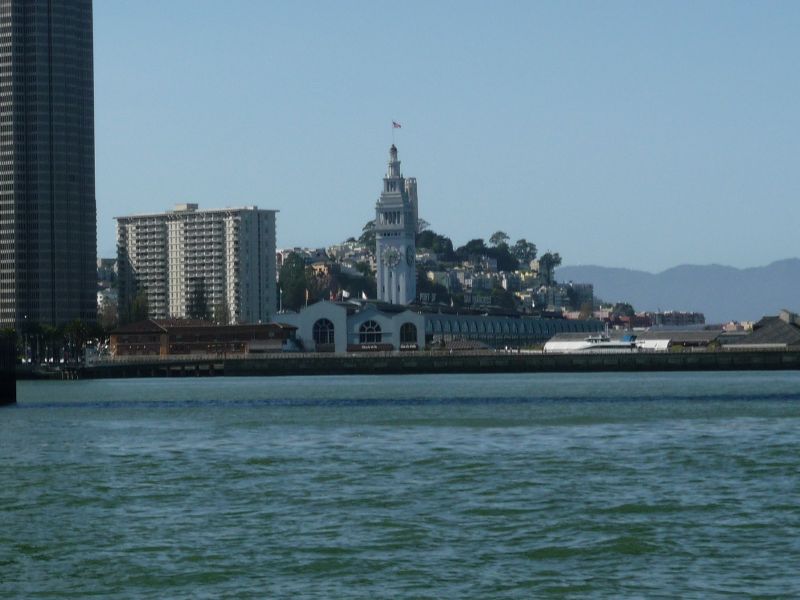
{"x": 593, "y": 343}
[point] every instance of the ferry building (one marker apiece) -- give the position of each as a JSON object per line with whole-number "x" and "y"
{"x": 395, "y": 322}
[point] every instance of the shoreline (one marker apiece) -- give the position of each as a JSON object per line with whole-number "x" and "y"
{"x": 430, "y": 363}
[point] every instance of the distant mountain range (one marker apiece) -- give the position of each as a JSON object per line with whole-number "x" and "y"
{"x": 722, "y": 293}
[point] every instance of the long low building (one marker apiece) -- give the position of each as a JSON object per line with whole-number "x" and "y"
{"x": 165, "y": 337}
{"x": 498, "y": 331}
{"x": 356, "y": 327}
{"x": 772, "y": 333}
{"x": 359, "y": 326}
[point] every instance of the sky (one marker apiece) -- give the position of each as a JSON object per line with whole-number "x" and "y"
{"x": 628, "y": 134}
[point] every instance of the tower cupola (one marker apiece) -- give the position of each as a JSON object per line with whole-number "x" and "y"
{"x": 394, "y": 164}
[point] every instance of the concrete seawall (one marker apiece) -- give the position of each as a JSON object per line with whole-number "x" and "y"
{"x": 446, "y": 363}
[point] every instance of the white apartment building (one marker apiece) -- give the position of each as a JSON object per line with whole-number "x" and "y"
{"x": 221, "y": 258}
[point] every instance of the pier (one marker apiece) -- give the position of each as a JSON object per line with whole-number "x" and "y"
{"x": 397, "y": 363}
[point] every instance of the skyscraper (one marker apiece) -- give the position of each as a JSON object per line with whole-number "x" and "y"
{"x": 395, "y": 235}
{"x": 48, "y": 230}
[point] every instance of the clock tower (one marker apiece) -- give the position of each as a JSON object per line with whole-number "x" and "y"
{"x": 395, "y": 232}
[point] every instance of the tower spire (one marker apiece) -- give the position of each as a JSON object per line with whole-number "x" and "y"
{"x": 394, "y": 164}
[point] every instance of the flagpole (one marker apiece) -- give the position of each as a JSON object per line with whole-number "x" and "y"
{"x": 395, "y": 125}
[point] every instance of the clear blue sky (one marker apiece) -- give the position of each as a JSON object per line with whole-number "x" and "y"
{"x": 640, "y": 134}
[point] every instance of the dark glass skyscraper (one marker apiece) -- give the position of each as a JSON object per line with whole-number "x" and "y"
{"x": 48, "y": 229}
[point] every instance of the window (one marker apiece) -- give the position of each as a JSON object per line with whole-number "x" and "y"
{"x": 408, "y": 333}
{"x": 369, "y": 332}
{"x": 322, "y": 332}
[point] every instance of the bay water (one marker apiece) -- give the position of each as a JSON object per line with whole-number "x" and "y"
{"x": 433, "y": 486}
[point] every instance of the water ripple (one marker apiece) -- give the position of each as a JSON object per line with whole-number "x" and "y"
{"x": 634, "y": 485}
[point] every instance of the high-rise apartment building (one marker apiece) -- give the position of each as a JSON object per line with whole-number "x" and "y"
{"x": 48, "y": 229}
{"x": 221, "y": 261}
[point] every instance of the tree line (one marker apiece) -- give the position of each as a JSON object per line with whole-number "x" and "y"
{"x": 42, "y": 343}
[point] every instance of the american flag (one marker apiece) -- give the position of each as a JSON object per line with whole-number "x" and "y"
{"x": 396, "y": 125}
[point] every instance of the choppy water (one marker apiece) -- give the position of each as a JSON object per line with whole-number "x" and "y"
{"x": 499, "y": 486}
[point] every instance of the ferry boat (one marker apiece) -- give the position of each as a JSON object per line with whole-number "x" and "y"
{"x": 603, "y": 343}
{"x": 594, "y": 343}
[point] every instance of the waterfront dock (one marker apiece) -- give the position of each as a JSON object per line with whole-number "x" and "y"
{"x": 430, "y": 362}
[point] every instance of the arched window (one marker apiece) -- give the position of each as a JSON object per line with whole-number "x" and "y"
{"x": 322, "y": 332}
{"x": 369, "y": 332}
{"x": 408, "y": 333}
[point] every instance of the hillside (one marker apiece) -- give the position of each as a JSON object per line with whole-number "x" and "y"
{"x": 722, "y": 293}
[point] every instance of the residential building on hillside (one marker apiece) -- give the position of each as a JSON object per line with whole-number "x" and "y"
{"x": 309, "y": 255}
{"x": 675, "y": 318}
{"x": 47, "y": 198}
{"x": 220, "y": 259}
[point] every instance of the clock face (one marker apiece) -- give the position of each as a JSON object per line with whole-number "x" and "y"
{"x": 391, "y": 257}
{"x": 410, "y": 255}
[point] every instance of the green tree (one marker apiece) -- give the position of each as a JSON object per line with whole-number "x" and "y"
{"x": 523, "y": 250}
{"x": 108, "y": 315}
{"x": 354, "y": 285}
{"x": 476, "y": 247}
{"x": 319, "y": 285}
{"x": 623, "y": 309}
{"x": 292, "y": 282}
{"x": 222, "y": 314}
{"x": 137, "y": 309}
{"x": 33, "y": 334}
{"x": 547, "y": 264}
{"x": 499, "y": 237}
{"x": 367, "y": 237}
{"x": 197, "y": 307}
{"x": 426, "y": 286}
{"x": 76, "y": 334}
{"x": 503, "y": 298}
{"x": 505, "y": 260}
{"x": 364, "y": 269}
{"x": 441, "y": 245}
{"x": 53, "y": 338}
